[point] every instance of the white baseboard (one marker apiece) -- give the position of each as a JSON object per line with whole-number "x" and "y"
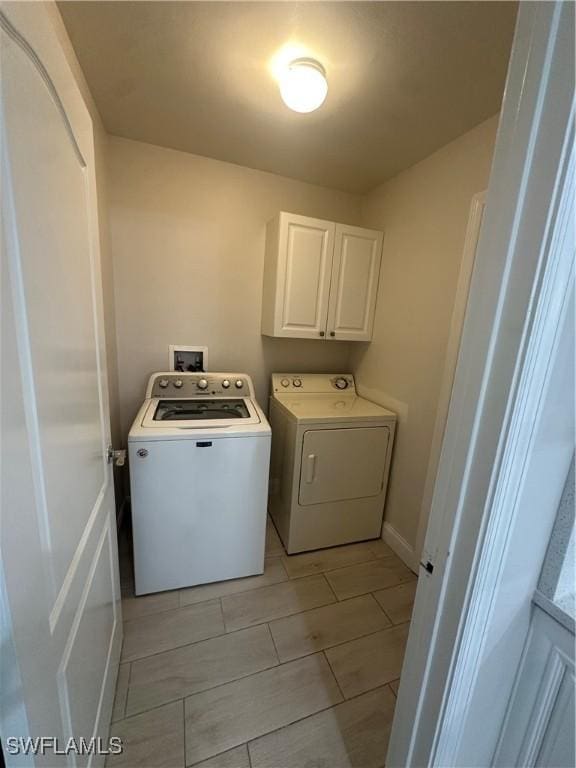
{"x": 400, "y": 546}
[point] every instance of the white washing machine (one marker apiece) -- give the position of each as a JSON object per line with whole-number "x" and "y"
{"x": 331, "y": 453}
{"x": 199, "y": 452}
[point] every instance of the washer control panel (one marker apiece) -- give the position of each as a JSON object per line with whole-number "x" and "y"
{"x": 313, "y": 383}
{"x": 173, "y": 385}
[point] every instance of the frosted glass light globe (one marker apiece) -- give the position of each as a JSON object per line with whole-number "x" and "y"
{"x": 303, "y": 86}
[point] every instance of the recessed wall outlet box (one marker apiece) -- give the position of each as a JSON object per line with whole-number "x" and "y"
{"x": 184, "y": 358}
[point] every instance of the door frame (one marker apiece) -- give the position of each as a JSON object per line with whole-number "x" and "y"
{"x": 475, "y": 217}
{"x": 518, "y": 302}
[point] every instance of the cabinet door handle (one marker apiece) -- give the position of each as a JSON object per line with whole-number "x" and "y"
{"x": 321, "y": 333}
{"x": 310, "y": 467}
{"x": 332, "y": 333}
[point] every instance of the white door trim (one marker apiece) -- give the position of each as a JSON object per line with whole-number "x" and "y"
{"x": 530, "y": 418}
{"x": 516, "y": 305}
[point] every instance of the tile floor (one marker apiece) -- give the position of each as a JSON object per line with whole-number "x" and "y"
{"x": 295, "y": 668}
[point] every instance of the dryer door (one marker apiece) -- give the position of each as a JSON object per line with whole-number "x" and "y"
{"x": 340, "y": 464}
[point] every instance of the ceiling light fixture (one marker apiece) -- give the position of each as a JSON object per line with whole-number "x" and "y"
{"x": 303, "y": 85}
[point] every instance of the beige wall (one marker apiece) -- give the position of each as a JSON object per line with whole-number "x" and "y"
{"x": 184, "y": 265}
{"x": 182, "y": 241}
{"x": 188, "y": 245}
{"x": 423, "y": 212}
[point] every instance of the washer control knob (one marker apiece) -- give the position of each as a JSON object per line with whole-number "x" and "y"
{"x": 238, "y": 383}
{"x": 225, "y": 383}
{"x": 341, "y": 383}
{"x": 297, "y": 382}
{"x": 202, "y": 384}
{"x": 178, "y": 383}
{"x": 163, "y": 383}
{"x": 285, "y": 383}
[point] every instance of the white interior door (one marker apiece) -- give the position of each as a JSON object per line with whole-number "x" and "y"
{"x": 59, "y": 572}
{"x": 308, "y": 246}
{"x": 539, "y": 725}
{"x": 355, "y": 271}
{"x": 510, "y": 422}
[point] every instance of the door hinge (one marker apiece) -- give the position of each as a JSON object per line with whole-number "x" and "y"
{"x": 116, "y": 456}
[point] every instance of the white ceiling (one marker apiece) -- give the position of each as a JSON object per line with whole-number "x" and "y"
{"x": 404, "y": 78}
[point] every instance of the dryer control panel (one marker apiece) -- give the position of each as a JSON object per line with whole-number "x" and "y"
{"x": 313, "y": 383}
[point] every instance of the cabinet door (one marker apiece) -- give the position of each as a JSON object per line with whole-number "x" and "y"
{"x": 355, "y": 271}
{"x": 307, "y": 247}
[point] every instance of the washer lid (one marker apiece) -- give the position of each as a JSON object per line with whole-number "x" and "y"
{"x": 314, "y": 408}
{"x": 197, "y": 413}
{"x": 201, "y": 410}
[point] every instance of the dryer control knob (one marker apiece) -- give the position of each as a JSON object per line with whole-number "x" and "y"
{"x": 202, "y": 384}
{"x": 178, "y": 383}
{"x": 225, "y": 383}
{"x": 285, "y": 383}
{"x": 238, "y": 383}
{"x": 297, "y": 382}
{"x": 163, "y": 383}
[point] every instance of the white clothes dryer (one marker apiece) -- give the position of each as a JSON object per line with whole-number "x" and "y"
{"x": 331, "y": 452}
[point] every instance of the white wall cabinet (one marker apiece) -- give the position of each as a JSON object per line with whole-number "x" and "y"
{"x": 320, "y": 279}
